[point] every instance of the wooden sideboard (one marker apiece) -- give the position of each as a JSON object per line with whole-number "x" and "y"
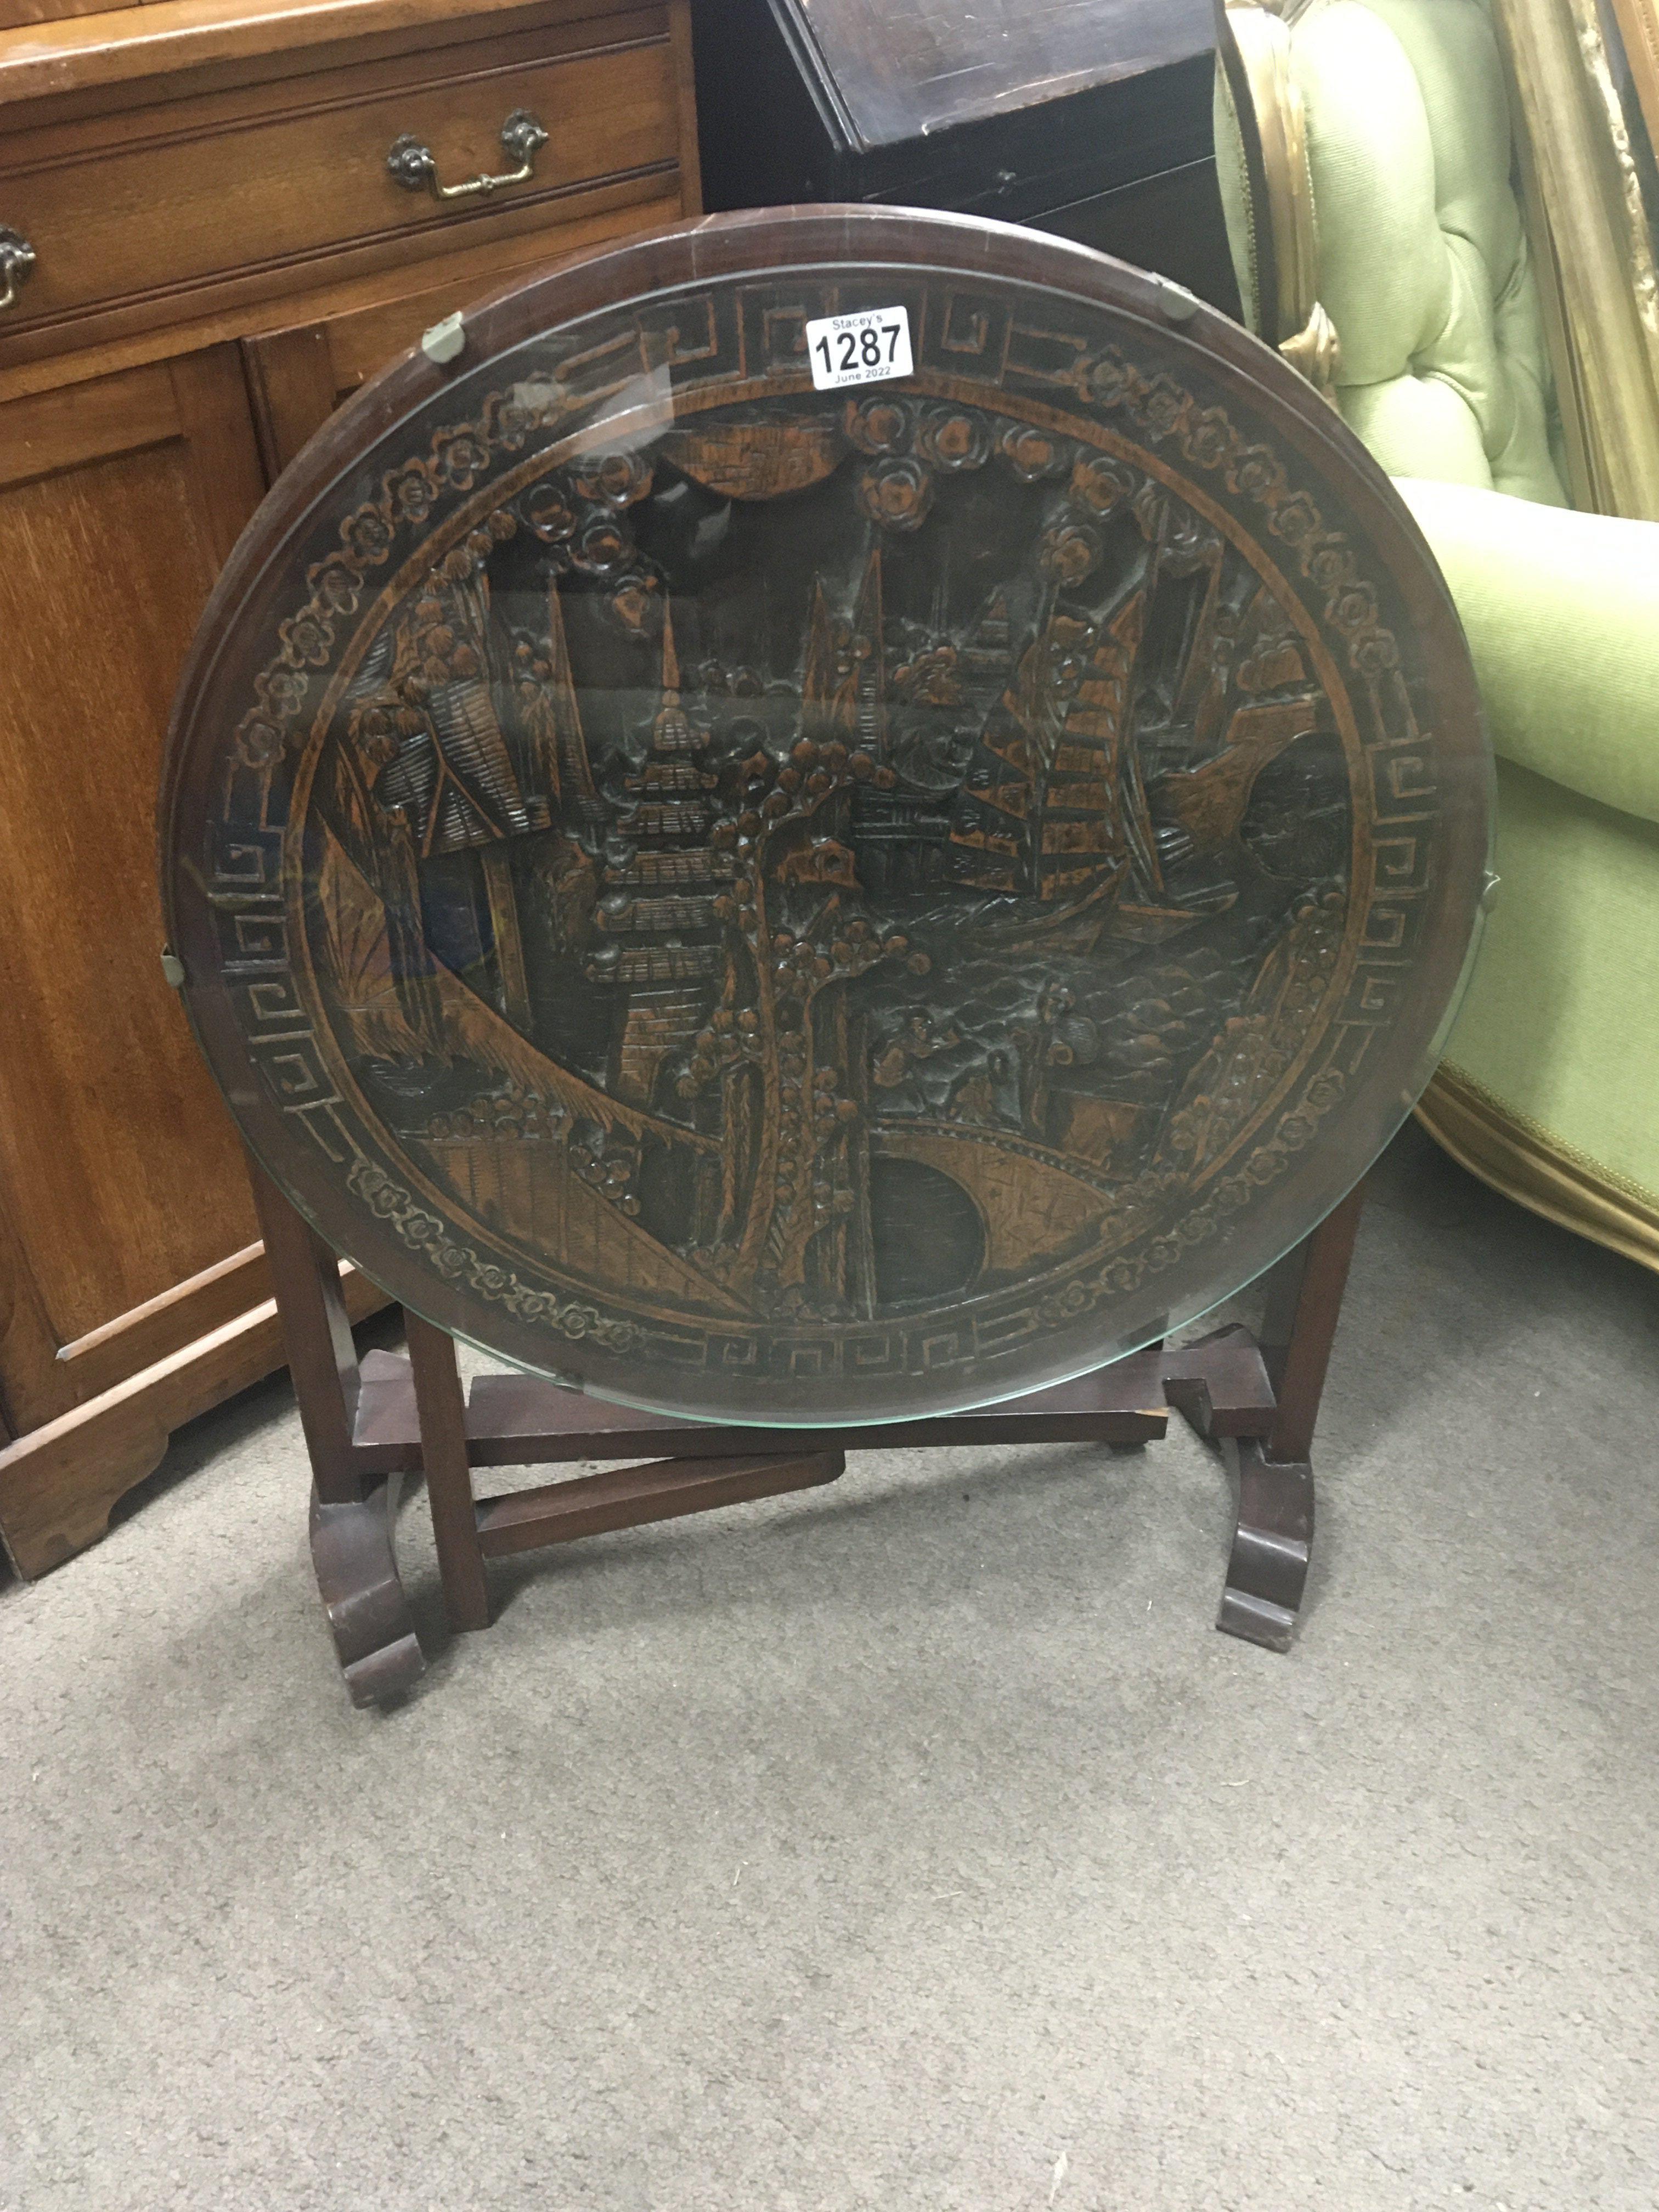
{"x": 220, "y": 254}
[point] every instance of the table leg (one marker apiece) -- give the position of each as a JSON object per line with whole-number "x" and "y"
{"x": 442, "y": 1412}
{"x": 353, "y": 1516}
{"x": 1267, "y": 1571}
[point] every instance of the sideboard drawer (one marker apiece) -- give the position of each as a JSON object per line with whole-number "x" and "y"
{"x": 160, "y": 212}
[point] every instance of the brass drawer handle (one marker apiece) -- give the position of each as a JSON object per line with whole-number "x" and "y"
{"x": 412, "y": 164}
{"x": 16, "y": 259}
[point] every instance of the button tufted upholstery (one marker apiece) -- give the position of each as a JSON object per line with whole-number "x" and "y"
{"x": 1423, "y": 265}
{"x": 1423, "y": 262}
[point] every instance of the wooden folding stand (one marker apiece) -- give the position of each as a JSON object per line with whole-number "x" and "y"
{"x": 368, "y": 1425}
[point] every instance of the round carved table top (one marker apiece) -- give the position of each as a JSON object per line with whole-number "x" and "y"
{"x": 800, "y": 904}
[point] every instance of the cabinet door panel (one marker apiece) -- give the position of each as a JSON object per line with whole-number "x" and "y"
{"x": 121, "y": 1177}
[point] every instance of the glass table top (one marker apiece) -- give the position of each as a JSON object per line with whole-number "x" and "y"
{"x": 784, "y": 890}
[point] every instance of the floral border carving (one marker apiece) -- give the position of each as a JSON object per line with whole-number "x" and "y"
{"x": 429, "y": 1235}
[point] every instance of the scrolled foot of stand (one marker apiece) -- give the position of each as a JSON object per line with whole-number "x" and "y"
{"x": 353, "y": 1551}
{"x": 1267, "y": 1572}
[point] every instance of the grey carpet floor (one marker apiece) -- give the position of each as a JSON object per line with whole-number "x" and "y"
{"x": 915, "y": 1843}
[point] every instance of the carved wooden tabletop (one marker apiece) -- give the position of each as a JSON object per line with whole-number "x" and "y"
{"x": 806, "y": 904}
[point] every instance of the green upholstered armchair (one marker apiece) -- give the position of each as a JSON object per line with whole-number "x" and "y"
{"x": 1366, "y": 153}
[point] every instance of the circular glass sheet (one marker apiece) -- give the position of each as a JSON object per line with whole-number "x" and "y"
{"x": 798, "y": 904}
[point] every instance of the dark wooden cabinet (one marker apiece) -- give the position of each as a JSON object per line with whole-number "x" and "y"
{"x": 1090, "y": 118}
